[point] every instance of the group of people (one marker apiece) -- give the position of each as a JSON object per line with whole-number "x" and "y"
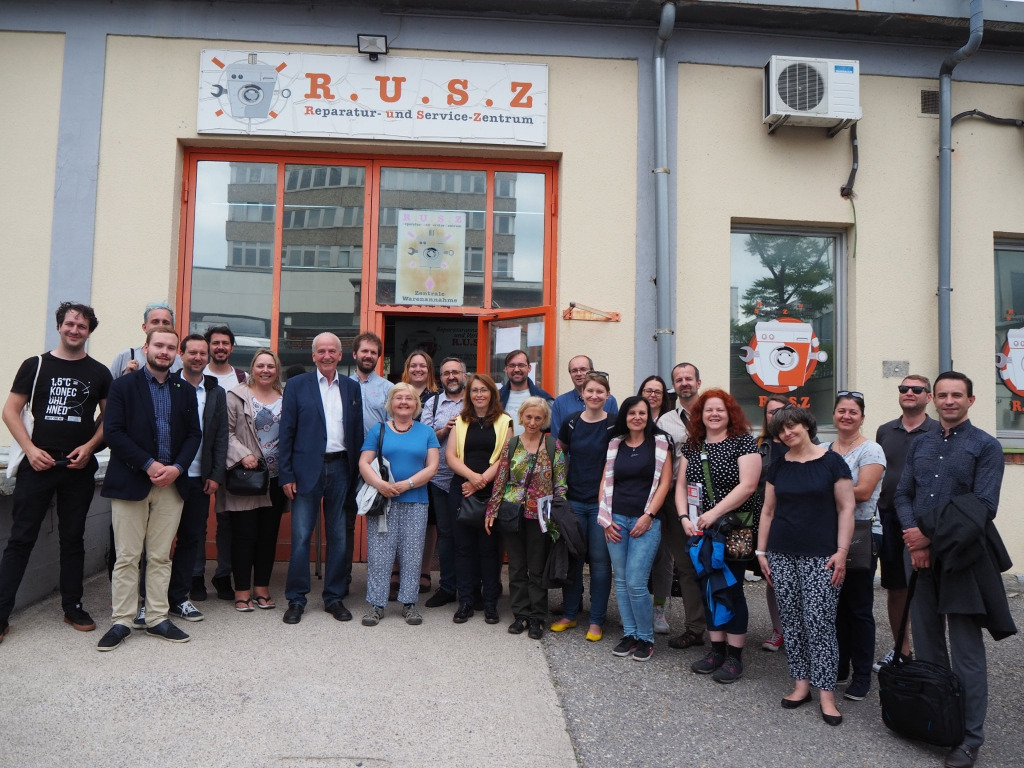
{"x": 639, "y": 491}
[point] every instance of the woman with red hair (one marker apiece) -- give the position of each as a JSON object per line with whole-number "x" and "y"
{"x": 721, "y": 465}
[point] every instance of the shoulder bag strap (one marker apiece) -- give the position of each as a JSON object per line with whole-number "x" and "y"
{"x": 32, "y": 396}
{"x": 707, "y": 473}
{"x": 380, "y": 449}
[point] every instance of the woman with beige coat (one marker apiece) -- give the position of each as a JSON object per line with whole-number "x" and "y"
{"x": 254, "y": 415}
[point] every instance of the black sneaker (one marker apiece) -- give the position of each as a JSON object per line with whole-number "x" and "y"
{"x": 730, "y": 671}
{"x": 79, "y": 619}
{"x": 518, "y": 626}
{"x": 223, "y": 586}
{"x": 858, "y": 690}
{"x": 708, "y": 664}
{"x": 113, "y": 638}
{"x": 440, "y": 598}
{"x": 491, "y": 614}
{"x": 536, "y": 630}
{"x": 464, "y": 614}
{"x": 626, "y": 646}
{"x": 165, "y": 630}
{"x": 644, "y": 651}
{"x": 197, "y": 593}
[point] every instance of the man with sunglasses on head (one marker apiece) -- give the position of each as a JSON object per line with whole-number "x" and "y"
{"x": 895, "y": 438}
{"x": 568, "y": 403}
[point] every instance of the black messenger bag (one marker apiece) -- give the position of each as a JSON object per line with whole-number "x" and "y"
{"x": 921, "y": 700}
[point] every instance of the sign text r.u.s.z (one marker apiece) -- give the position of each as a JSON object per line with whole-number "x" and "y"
{"x": 391, "y": 91}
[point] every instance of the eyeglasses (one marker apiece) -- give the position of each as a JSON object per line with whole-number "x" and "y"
{"x": 515, "y": 366}
{"x": 849, "y": 393}
{"x": 598, "y": 373}
{"x": 579, "y": 370}
{"x": 917, "y": 390}
{"x": 652, "y": 391}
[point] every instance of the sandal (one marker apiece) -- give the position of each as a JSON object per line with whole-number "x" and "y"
{"x": 264, "y": 601}
{"x": 424, "y": 577}
{"x": 244, "y": 606}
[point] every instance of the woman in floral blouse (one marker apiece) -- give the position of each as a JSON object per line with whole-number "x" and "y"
{"x": 531, "y": 469}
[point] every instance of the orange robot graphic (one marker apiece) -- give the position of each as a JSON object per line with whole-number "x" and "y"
{"x": 783, "y": 354}
{"x": 1010, "y": 361}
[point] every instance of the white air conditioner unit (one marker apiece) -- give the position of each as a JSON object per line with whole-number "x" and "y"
{"x": 811, "y": 92}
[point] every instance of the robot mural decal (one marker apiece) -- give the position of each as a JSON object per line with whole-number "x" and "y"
{"x": 783, "y": 354}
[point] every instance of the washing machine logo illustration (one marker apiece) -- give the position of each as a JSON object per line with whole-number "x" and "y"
{"x": 783, "y": 354}
{"x": 1010, "y": 361}
{"x": 251, "y": 89}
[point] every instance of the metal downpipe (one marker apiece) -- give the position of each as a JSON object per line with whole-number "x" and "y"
{"x": 663, "y": 272}
{"x": 946, "y": 179}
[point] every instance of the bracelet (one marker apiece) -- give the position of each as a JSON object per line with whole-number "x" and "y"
{"x": 412, "y": 484}
{"x": 845, "y": 549}
{"x": 760, "y": 553}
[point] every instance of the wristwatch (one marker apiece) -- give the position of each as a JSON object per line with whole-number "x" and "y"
{"x": 759, "y": 552}
{"x": 412, "y": 484}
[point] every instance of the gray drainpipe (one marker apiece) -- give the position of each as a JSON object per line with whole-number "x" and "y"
{"x": 663, "y": 272}
{"x": 946, "y": 179}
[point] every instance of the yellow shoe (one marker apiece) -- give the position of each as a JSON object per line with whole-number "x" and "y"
{"x": 594, "y": 636}
{"x": 562, "y": 624}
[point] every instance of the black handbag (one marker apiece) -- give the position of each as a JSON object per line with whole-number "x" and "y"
{"x": 248, "y": 482}
{"x": 472, "y": 511}
{"x": 921, "y": 700}
{"x": 510, "y": 516}
{"x": 380, "y": 503}
{"x": 862, "y": 546}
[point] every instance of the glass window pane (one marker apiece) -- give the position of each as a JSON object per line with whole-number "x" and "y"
{"x": 230, "y": 284}
{"x": 318, "y": 291}
{"x": 1009, "y": 330}
{"x": 783, "y": 296}
{"x": 433, "y": 241}
{"x": 519, "y": 220}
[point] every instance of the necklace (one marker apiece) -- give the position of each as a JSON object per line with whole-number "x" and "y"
{"x": 849, "y": 446}
{"x": 394, "y": 426}
{"x": 634, "y": 450}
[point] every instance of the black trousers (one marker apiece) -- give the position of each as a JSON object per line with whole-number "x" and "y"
{"x": 33, "y": 493}
{"x": 477, "y": 557}
{"x": 254, "y": 541}
{"x": 527, "y": 555}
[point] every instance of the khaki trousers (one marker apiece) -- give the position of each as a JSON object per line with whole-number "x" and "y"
{"x": 149, "y": 524}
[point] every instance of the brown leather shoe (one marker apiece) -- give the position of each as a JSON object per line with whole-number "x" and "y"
{"x": 685, "y": 640}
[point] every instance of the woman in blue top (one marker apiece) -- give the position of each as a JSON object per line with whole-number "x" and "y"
{"x": 584, "y": 439}
{"x": 412, "y": 450}
{"x": 802, "y": 544}
{"x": 855, "y": 616}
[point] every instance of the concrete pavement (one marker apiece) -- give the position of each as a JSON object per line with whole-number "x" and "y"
{"x": 249, "y": 690}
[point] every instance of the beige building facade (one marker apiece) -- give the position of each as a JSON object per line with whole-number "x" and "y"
{"x": 121, "y": 201}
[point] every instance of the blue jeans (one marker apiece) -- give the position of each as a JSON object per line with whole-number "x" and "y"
{"x": 631, "y": 564}
{"x": 332, "y": 487}
{"x": 600, "y": 567}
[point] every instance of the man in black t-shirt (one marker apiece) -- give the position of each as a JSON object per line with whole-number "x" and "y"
{"x": 69, "y": 387}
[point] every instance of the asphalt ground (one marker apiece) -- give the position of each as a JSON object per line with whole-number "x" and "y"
{"x": 659, "y": 713}
{"x": 249, "y": 690}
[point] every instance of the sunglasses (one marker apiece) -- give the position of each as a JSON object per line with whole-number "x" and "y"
{"x": 917, "y": 390}
{"x": 598, "y": 373}
{"x": 849, "y": 393}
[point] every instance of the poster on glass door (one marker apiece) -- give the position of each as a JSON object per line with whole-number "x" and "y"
{"x": 431, "y": 252}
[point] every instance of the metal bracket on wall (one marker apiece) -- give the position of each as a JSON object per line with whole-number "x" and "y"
{"x": 577, "y": 311}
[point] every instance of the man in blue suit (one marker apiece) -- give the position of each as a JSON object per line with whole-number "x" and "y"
{"x": 151, "y": 424}
{"x": 320, "y": 438}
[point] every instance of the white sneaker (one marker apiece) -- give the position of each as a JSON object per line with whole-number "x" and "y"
{"x": 661, "y": 626}
{"x": 885, "y": 660}
{"x": 140, "y": 617}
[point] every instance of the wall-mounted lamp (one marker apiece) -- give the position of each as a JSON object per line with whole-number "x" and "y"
{"x": 372, "y": 45}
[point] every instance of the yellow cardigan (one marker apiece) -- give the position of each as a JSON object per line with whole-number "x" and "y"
{"x": 502, "y": 427}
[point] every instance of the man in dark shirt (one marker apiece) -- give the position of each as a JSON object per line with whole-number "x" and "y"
{"x": 69, "y": 387}
{"x": 956, "y": 459}
{"x": 895, "y": 438}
